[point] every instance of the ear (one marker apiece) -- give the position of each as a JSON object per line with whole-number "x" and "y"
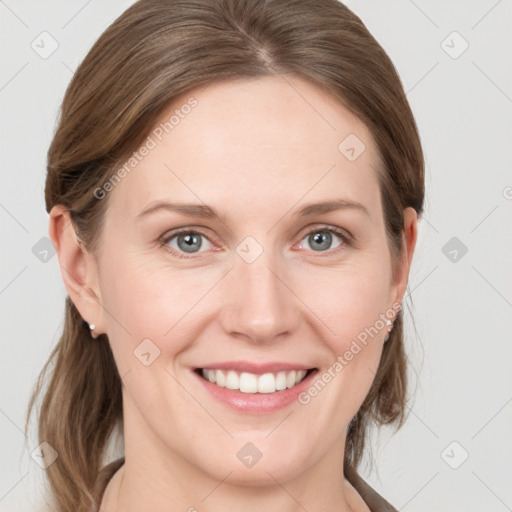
{"x": 410, "y": 236}
{"x": 78, "y": 268}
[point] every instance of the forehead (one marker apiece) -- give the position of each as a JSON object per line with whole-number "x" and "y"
{"x": 253, "y": 144}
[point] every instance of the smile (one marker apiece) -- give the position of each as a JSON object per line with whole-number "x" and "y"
{"x": 247, "y": 382}
{"x": 254, "y": 387}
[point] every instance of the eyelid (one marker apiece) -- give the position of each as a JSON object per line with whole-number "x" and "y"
{"x": 346, "y": 237}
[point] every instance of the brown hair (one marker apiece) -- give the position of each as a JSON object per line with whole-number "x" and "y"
{"x": 156, "y": 50}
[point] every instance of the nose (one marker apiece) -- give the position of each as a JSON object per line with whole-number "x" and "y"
{"x": 260, "y": 304}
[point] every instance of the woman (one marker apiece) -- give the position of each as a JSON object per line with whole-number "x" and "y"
{"x": 233, "y": 189}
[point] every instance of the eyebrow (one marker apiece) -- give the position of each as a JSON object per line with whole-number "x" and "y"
{"x": 207, "y": 212}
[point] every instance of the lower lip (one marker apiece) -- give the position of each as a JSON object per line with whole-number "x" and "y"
{"x": 256, "y": 403}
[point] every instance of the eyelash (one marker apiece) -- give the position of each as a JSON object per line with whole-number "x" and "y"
{"x": 348, "y": 240}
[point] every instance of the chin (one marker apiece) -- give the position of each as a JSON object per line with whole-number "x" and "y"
{"x": 248, "y": 465}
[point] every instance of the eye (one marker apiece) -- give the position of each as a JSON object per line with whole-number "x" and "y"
{"x": 184, "y": 241}
{"x": 320, "y": 239}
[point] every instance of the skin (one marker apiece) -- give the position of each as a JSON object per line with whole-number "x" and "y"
{"x": 255, "y": 150}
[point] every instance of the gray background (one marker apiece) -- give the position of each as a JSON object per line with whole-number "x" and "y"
{"x": 459, "y": 343}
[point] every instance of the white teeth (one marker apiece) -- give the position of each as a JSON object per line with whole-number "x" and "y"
{"x": 232, "y": 380}
{"x": 266, "y": 383}
{"x": 251, "y": 383}
{"x": 220, "y": 378}
{"x": 248, "y": 383}
{"x": 290, "y": 379}
{"x": 300, "y": 375}
{"x": 281, "y": 381}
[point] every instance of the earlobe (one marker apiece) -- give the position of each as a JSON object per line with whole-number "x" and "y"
{"x": 78, "y": 267}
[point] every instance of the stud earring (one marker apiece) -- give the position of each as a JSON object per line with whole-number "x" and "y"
{"x": 93, "y": 334}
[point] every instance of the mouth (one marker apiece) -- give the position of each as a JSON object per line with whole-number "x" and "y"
{"x": 247, "y": 382}
{"x": 254, "y": 389}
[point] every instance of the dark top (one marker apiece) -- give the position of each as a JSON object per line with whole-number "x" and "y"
{"x": 375, "y": 501}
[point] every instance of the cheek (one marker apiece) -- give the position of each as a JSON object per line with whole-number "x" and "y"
{"x": 150, "y": 321}
{"x": 350, "y": 302}
{"x": 357, "y": 322}
{"x": 152, "y": 300}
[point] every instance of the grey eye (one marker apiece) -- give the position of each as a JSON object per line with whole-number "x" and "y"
{"x": 187, "y": 242}
{"x": 321, "y": 240}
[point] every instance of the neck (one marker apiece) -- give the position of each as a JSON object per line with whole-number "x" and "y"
{"x": 123, "y": 494}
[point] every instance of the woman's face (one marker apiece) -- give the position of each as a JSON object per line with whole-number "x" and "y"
{"x": 258, "y": 282}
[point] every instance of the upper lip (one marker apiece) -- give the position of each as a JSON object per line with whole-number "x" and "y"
{"x": 256, "y": 368}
